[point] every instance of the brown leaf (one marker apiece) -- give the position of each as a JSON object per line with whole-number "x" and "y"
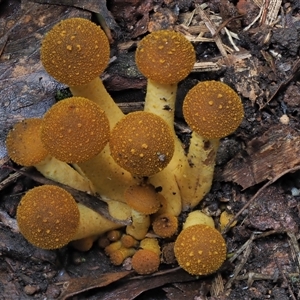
{"x": 134, "y": 287}
{"x": 265, "y": 157}
{"x": 76, "y": 286}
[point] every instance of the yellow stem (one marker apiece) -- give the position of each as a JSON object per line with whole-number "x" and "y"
{"x": 197, "y": 175}
{"x": 61, "y": 172}
{"x": 92, "y": 223}
{"x": 96, "y": 92}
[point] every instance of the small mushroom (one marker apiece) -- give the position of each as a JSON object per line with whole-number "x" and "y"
{"x": 213, "y": 110}
{"x": 49, "y": 218}
{"x": 142, "y": 143}
{"x": 25, "y": 147}
{"x": 200, "y": 249}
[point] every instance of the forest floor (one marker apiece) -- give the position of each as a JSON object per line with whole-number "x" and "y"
{"x": 253, "y": 46}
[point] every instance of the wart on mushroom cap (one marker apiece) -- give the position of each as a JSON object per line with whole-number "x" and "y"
{"x": 142, "y": 143}
{"x": 75, "y": 129}
{"x": 200, "y": 249}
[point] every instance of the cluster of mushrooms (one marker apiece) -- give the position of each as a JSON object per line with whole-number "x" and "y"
{"x": 135, "y": 162}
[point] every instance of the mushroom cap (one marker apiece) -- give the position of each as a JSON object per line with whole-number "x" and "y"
{"x": 48, "y": 217}
{"x": 23, "y": 143}
{"x": 165, "y": 225}
{"x": 145, "y": 262}
{"x": 213, "y": 109}
{"x": 142, "y": 198}
{"x": 75, "y": 51}
{"x": 200, "y": 249}
{"x": 165, "y": 56}
{"x": 75, "y": 130}
{"x": 142, "y": 143}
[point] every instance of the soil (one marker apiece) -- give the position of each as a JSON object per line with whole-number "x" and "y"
{"x": 253, "y": 46}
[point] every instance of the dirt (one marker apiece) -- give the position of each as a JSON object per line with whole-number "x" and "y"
{"x": 257, "y": 175}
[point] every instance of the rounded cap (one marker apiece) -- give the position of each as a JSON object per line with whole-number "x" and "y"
{"x": 213, "y": 109}
{"x": 75, "y": 130}
{"x": 48, "y": 217}
{"x": 165, "y": 56}
{"x": 75, "y": 51}
{"x": 145, "y": 262}
{"x": 200, "y": 249}
{"x": 142, "y": 198}
{"x": 23, "y": 143}
{"x": 142, "y": 143}
{"x": 165, "y": 225}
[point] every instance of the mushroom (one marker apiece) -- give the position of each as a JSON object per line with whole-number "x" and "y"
{"x": 129, "y": 241}
{"x": 165, "y": 225}
{"x": 75, "y": 52}
{"x": 147, "y": 259}
{"x": 213, "y": 110}
{"x": 49, "y": 218}
{"x": 142, "y": 143}
{"x": 200, "y": 249}
{"x": 25, "y": 148}
{"x": 144, "y": 200}
{"x": 166, "y": 57}
{"x": 75, "y": 130}
{"x": 117, "y": 257}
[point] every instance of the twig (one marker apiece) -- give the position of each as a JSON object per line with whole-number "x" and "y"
{"x": 212, "y": 28}
{"x": 285, "y": 279}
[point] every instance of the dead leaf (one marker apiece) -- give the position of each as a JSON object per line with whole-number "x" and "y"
{"x": 76, "y": 286}
{"x": 134, "y": 287}
{"x": 264, "y": 158}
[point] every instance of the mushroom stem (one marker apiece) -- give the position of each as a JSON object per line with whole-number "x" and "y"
{"x": 91, "y": 223}
{"x": 160, "y": 100}
{"x": 197, "y": 217}
{"x": 108, "y": 178}
{"x": 61, "y": 172}
{"x": 197, "y": 175}
{"x": 95, "y": 91}
{"x": 140, "y": 225}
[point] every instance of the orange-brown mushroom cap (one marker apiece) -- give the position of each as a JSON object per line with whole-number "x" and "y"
{"x": 165, "y": 56}
{"x": 145, "y": 261}
{"x": 23, "y": 142}
{"x": 75, "y": 51}
{"x": 200, "y": 249}
{"x": 213, "y": 109}
{"x": 165, "y": 225}
{"x": 75, "y": 130}
{"x": 48, "y": 217}
{"x": 142, "y": 198}
{"x": 142, "y": 143}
